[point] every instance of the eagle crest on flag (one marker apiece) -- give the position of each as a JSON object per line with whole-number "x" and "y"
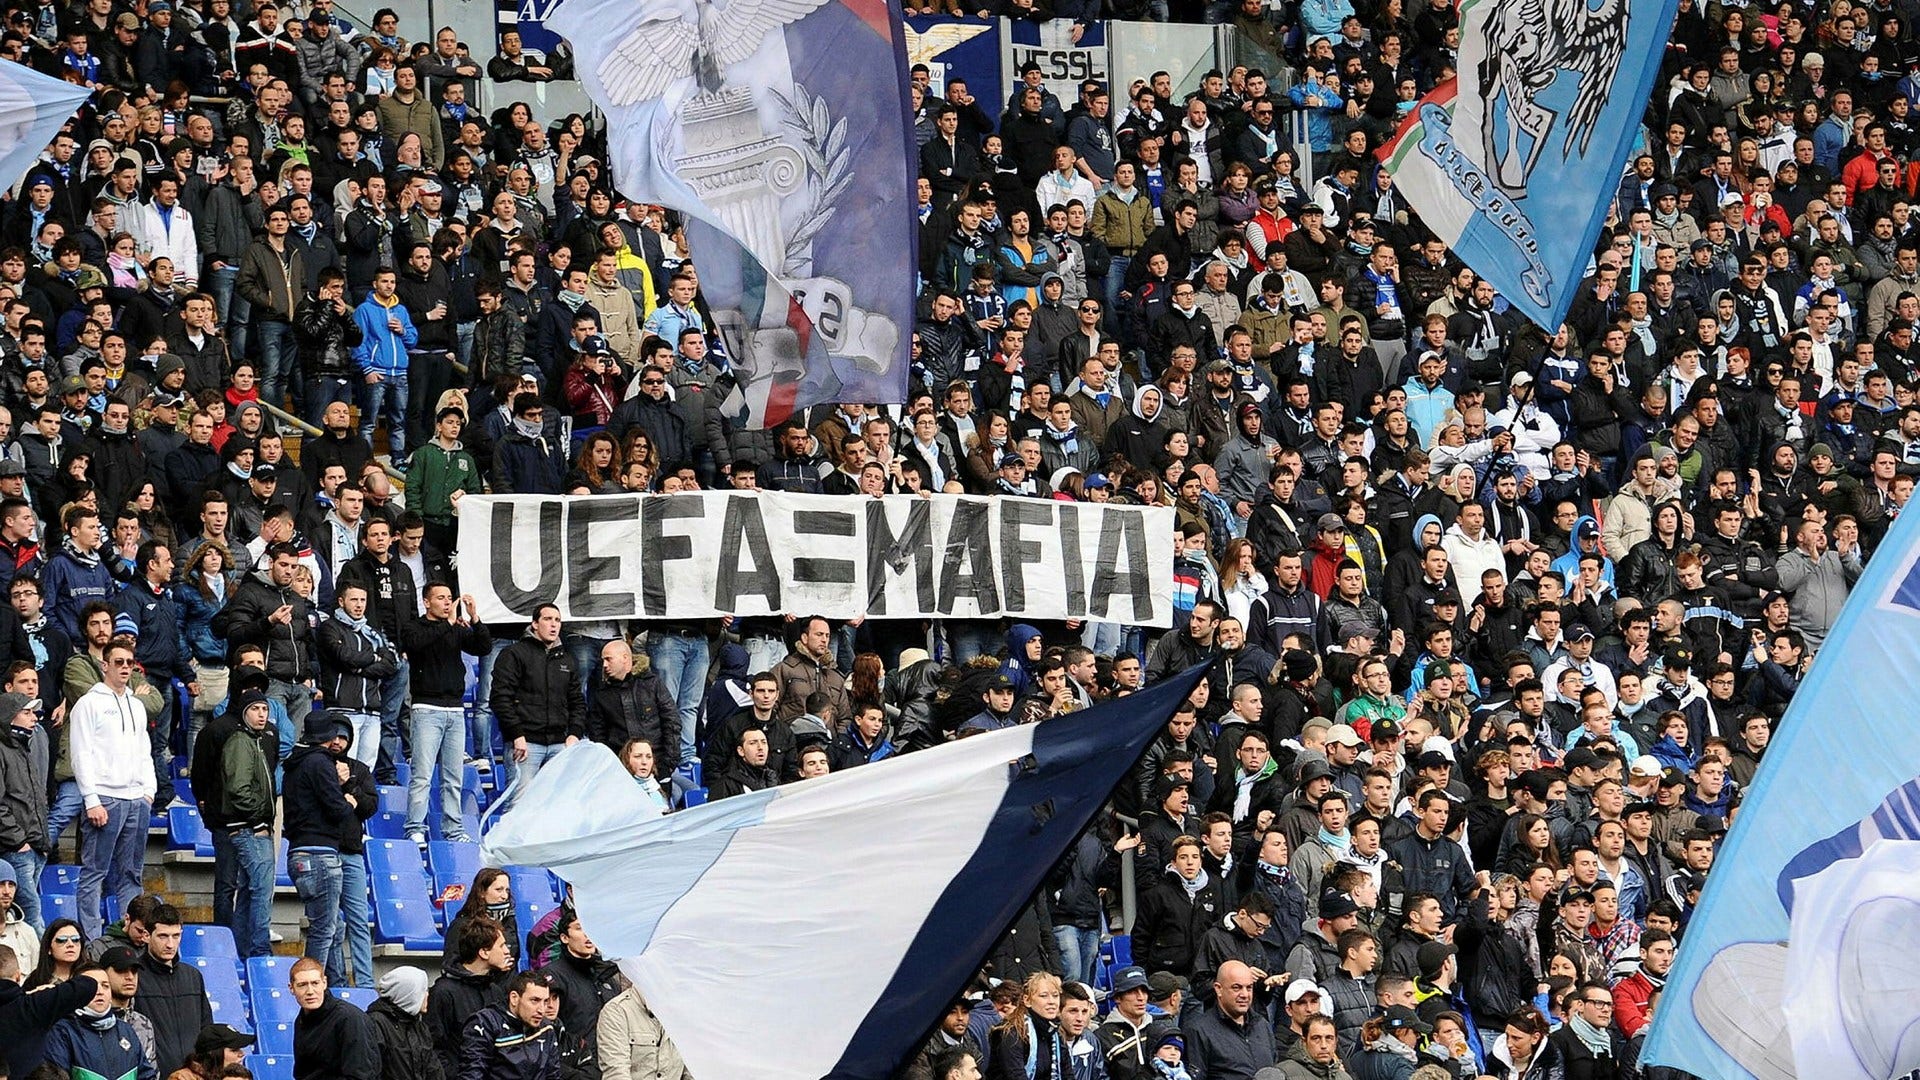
{"x": 1529, "y": 45}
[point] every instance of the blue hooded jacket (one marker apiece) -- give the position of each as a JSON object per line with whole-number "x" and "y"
{"x": 1015, "y": 665}
{"x": 1568, "y": 565}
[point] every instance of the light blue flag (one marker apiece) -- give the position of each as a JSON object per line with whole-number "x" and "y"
{"x": 1801, "y": 959}
{"x": 837, "y": 916}
{"x": 33, "y": 109}
{"x": 1514, "y": 163}
{"x": 780, "y": 128}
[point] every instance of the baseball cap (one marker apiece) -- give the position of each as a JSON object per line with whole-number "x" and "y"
{"x": 1677, "y": 659}
{"x": 1433, "y": 759}
{"x": 1095, "y": 480}
{"x": 1332, "y": 523}
{"x": 120, "y": 958}
{"x": 1384, "y": 731}
{"x": 220, "y": 1037}
{"x": 11, "y": 705}
{"x": 1580, "y": 758}
{"x": 127, "y": 20}
{"x": 1161, "y": 985}
{"x": 1644, "y": 765}
{"x": 1401, "y": 1018}
{"x": 1129, "y": 978}
{"x": 1344, "y": 735}
{"x": 72, "y": 384}
{"x": 1641, "y": 806}
{"x": 266, "y": 470}
{"x": 1010, "y": 458}
{"x": 999, "y": 682}
{"x": 1299, "y": 988}
{"x": 1579, "y": 632}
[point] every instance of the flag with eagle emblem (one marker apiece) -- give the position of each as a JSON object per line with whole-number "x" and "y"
{"x": 1514, "y": 162}
{"x": 780, "y": 130}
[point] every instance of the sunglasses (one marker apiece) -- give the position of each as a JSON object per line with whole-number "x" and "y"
{"x": 67, "y": 939}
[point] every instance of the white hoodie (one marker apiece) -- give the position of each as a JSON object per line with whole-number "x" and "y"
{"x": 112, "y": 758}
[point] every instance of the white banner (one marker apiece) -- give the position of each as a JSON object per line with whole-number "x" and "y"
{"x": 713, "y": 553}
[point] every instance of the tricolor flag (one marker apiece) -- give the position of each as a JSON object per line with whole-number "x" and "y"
{"x": 780, "y": 128}
{"x": 840, "y": 914}
{"x": 1800, "y": 961}
{"x": 1514, "y": 163}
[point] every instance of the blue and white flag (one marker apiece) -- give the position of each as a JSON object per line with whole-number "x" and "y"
{"x": 837, "y": 916}
{"x": 780, "y": 128}
{"x": 1801, "y": 959}
{"x": 1514, "y": 163}
{"x": 33, "y": 109}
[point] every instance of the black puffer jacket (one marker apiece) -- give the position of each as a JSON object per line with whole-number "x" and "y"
{"x": 637, "y": 707}
{"x": 1493, "y": 963}
{"x": 406, "y": 1044}
{"x": 174, "y": 996}
{"x": 244, "y": 621}
{"x": 585, "y": 986}
{"x": 326, "y": 339}
{"x": 534, "y": 694}
{"x": 912, "y": 690}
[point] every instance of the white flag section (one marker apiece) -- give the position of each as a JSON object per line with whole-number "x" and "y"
{"x": 713, "y": 553}
{"x": 33, "y": 109}
{"x": 837, "y": 915}
{"x": 1852, "y": 992}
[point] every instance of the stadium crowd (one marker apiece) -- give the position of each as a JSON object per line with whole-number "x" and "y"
{"x": 1501, "y": 622}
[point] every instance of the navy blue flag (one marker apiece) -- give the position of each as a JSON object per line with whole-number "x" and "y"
{"x": 780, "y": 128}
{"x": 842, "y": 913}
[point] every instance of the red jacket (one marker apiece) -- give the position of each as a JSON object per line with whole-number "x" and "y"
{"x": 1630, "y": 998}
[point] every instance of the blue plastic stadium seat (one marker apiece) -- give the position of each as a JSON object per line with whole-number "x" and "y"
{"x": 393, "y": 797}
{"x": 270, "y": 1066}
{"x": 1122, "y": 951}
{"x": 531, "y": 883}
{"x": 273, "y": 1005}
{"x": 696, "y": 797}
{"x": 276, "y": 1039}
{"x": 388, "y": 825}
{"x": 229, "y": 1006}
{"x": 206, "y": 940}
{"x": 268, "y": 972}
{"x": 358, "y": 996}
{"x": 452, "y": 863}
{"x": 59, "y": 905}
{"x": 186, "y": 832}
{"x": 217, "y": 970}
{"x": 399, "y": 858}
{"x": 407, "y": 923}
{"x": 59, "y": 878}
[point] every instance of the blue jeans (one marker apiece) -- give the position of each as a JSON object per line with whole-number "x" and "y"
{"x": 366, "y": 738}
{"x": 353, "y": 941}
{"x": 439, "y": 742}
{"x": 62, "y": 811}
{"x": 279, "y": 360}
{"x": 393, "y": 701}
{"x": 482, "y": 735}
{"x": 1079, "y": 952}
{"x": 316, "y": 877}
{"x": 230, "y": 309}
{"x": 1116, "y": 282}
{"x": 680, "y": 661}
{"x": 386, "y": 399}
{"x": 252, "y": 917}
{"x": 296, "y": 697}
{"x": 322, "y": 392}
{"x": 584, "y": 651}
{"x": 967, "y": 638}
{"x": 525, "y": 771}
{"x": 764, "y": 653}
{"x": 111, "y": 858}
{"x": 26, "y": 871}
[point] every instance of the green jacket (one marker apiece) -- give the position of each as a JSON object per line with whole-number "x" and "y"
{"x": 435, "y": 474}
{"x": 247, "y": 777}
